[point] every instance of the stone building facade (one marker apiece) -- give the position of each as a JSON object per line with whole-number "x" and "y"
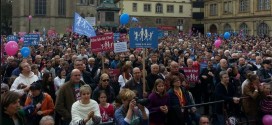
{"x": 49, "y": 14}
{"x": 250, "y": 17}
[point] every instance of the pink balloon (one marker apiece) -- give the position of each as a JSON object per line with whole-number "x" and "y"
{"x": 267, "y": 120}
{"x": 29, "y": 17}
{"x": 11, "y": 48}
{"x": 21, "y": 40}
{"x": 217, "y": 43}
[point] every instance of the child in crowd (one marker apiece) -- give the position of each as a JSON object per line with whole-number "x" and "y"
{"x": 266, "y": 102}
{"x": 158, "y": 106}
{"x": 106, "y": 109}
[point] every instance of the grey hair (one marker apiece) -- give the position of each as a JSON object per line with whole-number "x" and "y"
{"x": 46, "y": 118}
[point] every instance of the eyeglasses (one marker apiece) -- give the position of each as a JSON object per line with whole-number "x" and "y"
{"x": 106, "y": 80}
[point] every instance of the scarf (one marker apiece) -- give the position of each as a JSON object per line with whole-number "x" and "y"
{"x": 180, "y": 97}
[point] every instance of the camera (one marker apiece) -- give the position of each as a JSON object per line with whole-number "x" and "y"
{"x": 143, "y": 102}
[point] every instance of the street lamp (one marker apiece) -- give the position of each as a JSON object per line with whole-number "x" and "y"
{"x": 29, "y": 20}
{"x": 180, "y": 27}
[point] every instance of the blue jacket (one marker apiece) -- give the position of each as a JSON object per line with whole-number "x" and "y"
{"x": 120, "y": 115}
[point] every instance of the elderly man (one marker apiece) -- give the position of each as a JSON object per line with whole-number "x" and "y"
{"x": 153, "y": 76}
{"x": 174, "y": 70}
{"x": 68, "y": 94}
{"x": 85, "y": 76}
{"x": 91, "y": 67}
{"x": 136, "y": 83}
{"x": 223, "y": 66}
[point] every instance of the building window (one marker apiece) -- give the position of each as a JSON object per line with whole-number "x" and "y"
{"x": 244, "y": 29}
{"x": 170, "y": 8}
{"x": 180, "y": 21}
{"x": 109, "y": 16}
{"x": 158, "y": 21}
{"x": 180, "y": 9}
{"x": 263, "y": 29}
{"x": 62, "y": 8}
{"x": 40, "y": 7}
{"x": 213, "y": 9}
{"x": 227, "y": 28}
{"x": 134, "y": 7}
{"x": 159, "y": 8}
{"x": 147, "y": 7}
{"x": 227, "y": 7}
{"x": 244, "y": 5}
{"x": 263, "y": 4}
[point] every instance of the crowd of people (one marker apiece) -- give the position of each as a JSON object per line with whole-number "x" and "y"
{"x": 63, "y": 83}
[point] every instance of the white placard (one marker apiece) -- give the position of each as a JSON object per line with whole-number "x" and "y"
{"x": 120, "y": 47}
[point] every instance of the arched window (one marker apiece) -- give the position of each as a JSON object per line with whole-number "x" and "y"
{"x": 262, "y": 29}
{"x": 159, "y": 8}
{"x": 227, "y": 28}
{"x": 244, "y": 29}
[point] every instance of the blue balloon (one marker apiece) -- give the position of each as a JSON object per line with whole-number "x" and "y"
{"x": 226, "y": 35}
{"x": 124, "y": 18}
{"x": 25, "y": 51}
{"x": 209, "y": 34}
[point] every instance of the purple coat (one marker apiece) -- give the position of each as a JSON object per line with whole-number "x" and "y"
{"x": 155, "y": 101}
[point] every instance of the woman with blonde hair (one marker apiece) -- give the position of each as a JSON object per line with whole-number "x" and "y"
{"x": 104, "y": 84}
{"x": 130, "y": 112}
{"x": 85, "y": 111}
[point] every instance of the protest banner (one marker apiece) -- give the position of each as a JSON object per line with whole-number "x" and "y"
{"x": 192, "y": 74}
{"x": 31, "y": 39}
{"x": 102, "y": 43}
{"x": 120, "y": 47}
{"x": 12, "y": 38}
{"x": 143, "y": 37}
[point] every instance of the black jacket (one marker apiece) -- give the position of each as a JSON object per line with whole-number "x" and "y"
{"x": 222, "y": 94}
{"x": 264, "y": 75}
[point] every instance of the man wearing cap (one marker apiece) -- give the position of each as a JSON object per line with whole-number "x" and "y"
{"x": 264, "y": 72}
{"x": 22, "y": 83}
{"x": 68, "y": 94}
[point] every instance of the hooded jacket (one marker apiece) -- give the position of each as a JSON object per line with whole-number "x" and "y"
{"x": 23, "y": 80}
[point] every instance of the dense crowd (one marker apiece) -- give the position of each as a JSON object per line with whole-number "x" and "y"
{"x": 62, "y": 82}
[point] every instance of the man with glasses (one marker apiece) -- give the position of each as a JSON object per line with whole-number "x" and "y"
{"x": 68, "y": 94}
{"x": 136, "y": 83}
{"x": 85, "y": 75}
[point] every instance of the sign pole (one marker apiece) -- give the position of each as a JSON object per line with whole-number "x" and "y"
{"x": 144, "y": 72}
{"x": 103, "y": 60}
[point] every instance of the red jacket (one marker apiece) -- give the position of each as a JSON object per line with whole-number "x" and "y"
{"x": 47, "y": 106}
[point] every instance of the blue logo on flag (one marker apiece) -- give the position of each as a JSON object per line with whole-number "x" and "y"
{"x": 12, "y": 38}
{"x": 31, "y": 39}
{"x": 82, "y": 27}
{"x": 116, "y": 36}
{"x": 143, "y": 37}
